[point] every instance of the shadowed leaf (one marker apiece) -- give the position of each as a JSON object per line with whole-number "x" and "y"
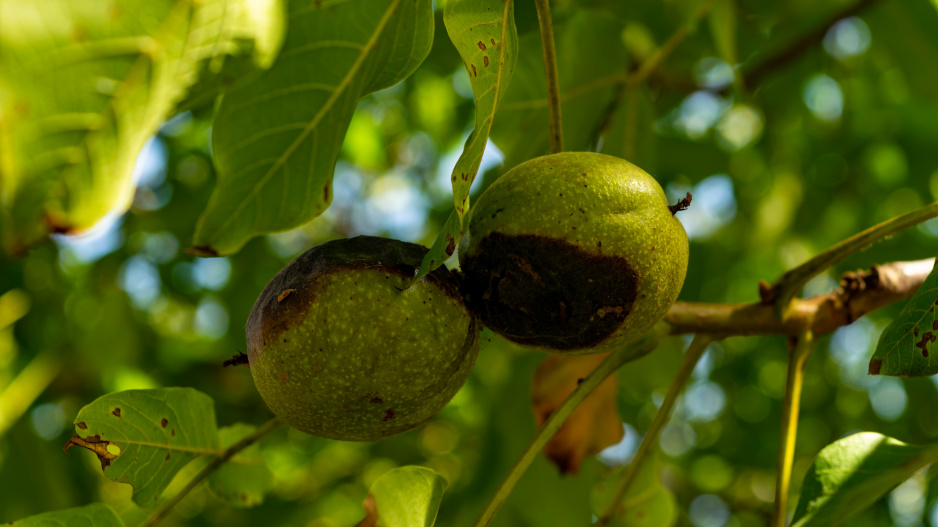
{"x": 94, "y": 515}
{"x": 852, "y": 473}
{"x": 404, "y": 497}
{"x": 593, "y": 426}
{"x": 907, "y": 347}
{"x": 277, "y": 136}
{"x": 245, "y": 478}
{"x": 143, "y": 437}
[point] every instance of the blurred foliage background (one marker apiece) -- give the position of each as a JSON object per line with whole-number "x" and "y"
{"x": 834, "y": 138}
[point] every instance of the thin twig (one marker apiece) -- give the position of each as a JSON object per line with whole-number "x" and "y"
{"x": 609, "y": 366}
{"x": 691, "y": 356}
{"x": 550, "y": 68}
{"x": 797, "y": 363}
{"x": 213, "y": 465}
{"x": 790, "y": 282}
{"x": 860, "y": 294}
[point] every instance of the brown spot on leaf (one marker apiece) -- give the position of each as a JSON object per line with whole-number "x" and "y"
{"x": 389, "y": 415}
{"x": 934, "y": 325}
{"x": 875, "y": 366}
{"x": 915, "y": 331}
{"x": 164, "y": 422}
{"x": 492, "y": 40}
{"x": 474, "y": 74}
{"x": 82, "y": 425}
{"x": 167, "y": 457}
{"x": 485, "y": 61}
{"x": 94, "y": 444}
{"x": 117, "y": 412}
{"x": 927, "y": 339}
{"x": 482, "y": 45}
{"x": 325, "y": 193}
{"x": 593, "y": 426}
{"x": 172, "y": 432}
{"x": 450, "y": 245}
{"x": 284, "y": 294}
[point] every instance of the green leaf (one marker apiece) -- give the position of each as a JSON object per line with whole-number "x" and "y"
{"x": 277, "y": 136}
{"x": 906, "y": 348}
{"x": 143, "y": 437}
{"x": 646, "y": 504}
{"x": 852, "y": 473}
{"x": 404, "y": 497}
{"x": 485, "y": 35}
{"x": 94, "y": 515}
{"x": 591, "y": 64}
{"x": 68, "y": 155}
{"x": 245, "y": 478}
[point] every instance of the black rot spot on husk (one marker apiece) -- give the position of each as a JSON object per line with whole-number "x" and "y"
{"x": 538, "y": 290}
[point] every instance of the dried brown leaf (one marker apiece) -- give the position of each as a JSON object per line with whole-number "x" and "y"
{"x": 593, "y": 426}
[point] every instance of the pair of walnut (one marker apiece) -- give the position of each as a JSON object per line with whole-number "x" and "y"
{"x": 569, "y": 253}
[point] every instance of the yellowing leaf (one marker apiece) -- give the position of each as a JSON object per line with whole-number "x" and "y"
{"x": 67, "y": 155}
{"x": 593, "y": 426}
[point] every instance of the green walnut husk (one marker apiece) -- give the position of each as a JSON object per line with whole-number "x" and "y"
{"x": 340, "y": 349}
{"x": 573, "y": 253}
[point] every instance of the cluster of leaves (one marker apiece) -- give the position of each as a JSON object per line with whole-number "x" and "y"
{"x": 296, "y": 79}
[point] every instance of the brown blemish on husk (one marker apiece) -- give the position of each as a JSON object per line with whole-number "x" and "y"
{"x": 270, "y": 317}
{"x": 544, "y": 292}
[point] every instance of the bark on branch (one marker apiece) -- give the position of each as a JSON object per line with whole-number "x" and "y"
{"x": 860, "y": 293}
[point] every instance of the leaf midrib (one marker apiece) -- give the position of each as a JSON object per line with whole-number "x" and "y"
{"x": 366, "y": 52}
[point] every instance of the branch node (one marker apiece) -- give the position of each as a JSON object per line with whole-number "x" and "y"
{"x": 236, "y": 359}
{"x": 682, "y": 204}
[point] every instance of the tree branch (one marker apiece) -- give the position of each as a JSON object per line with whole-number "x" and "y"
{"x": 791, "y": 281}
{"x": 214, "y": 465}
{"x": 550, "y": 69}
{"x": 860, "y": 293}
{"x": 783, "y": 57}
